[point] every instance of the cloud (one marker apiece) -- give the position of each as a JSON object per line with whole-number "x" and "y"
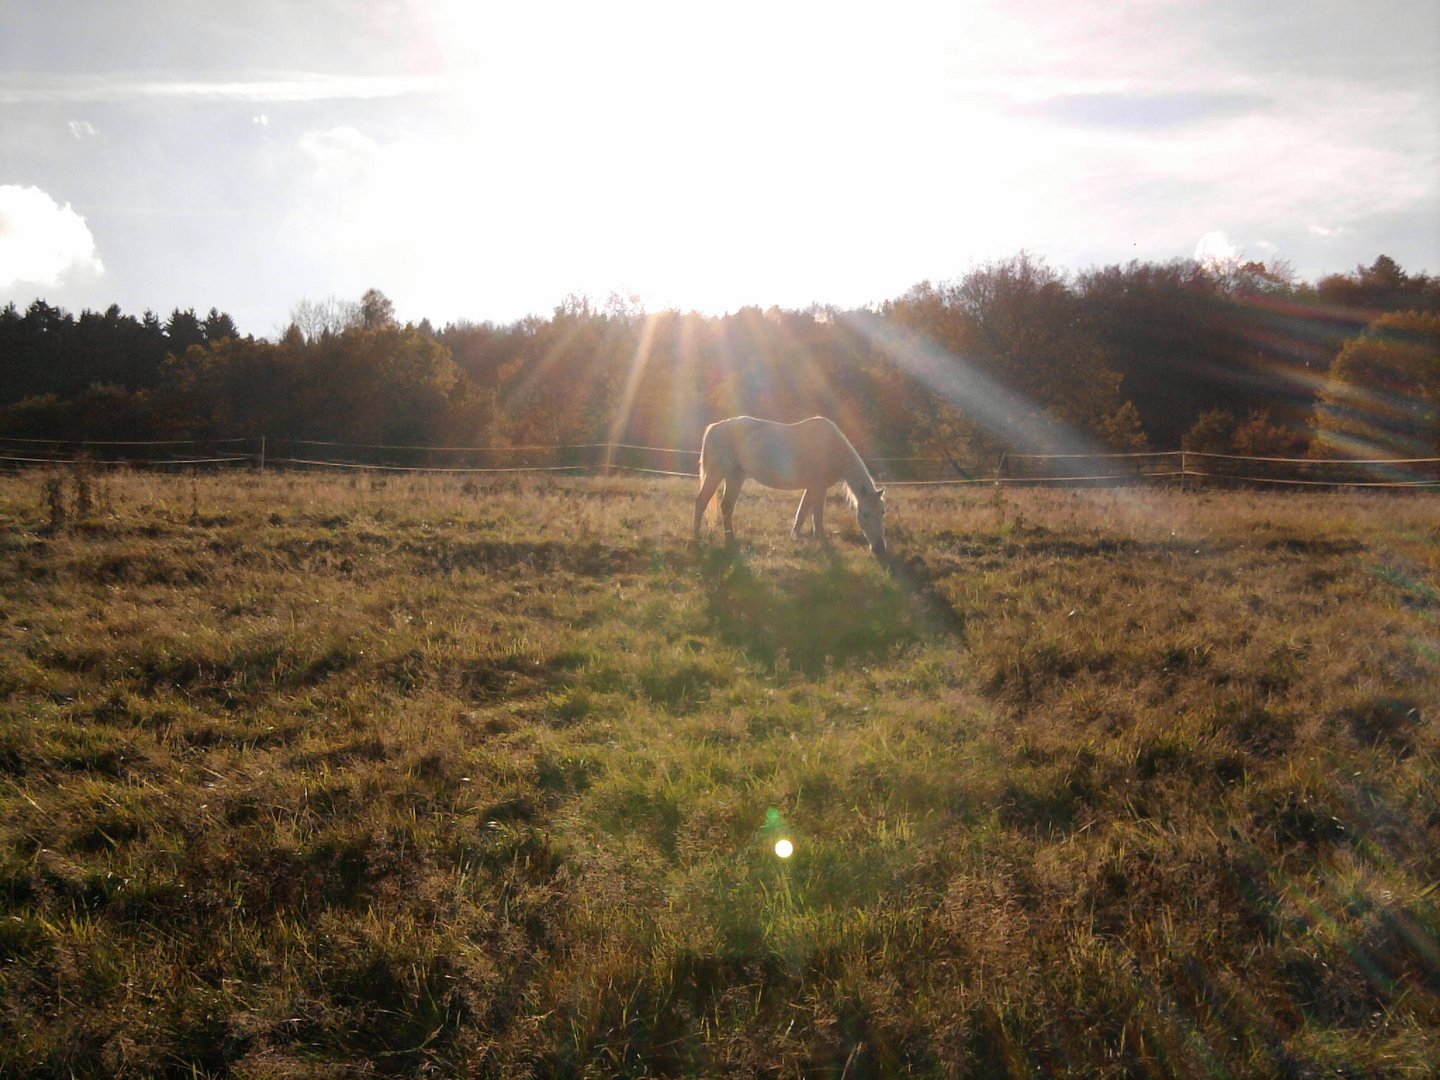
{"x": 1215, "y": 247}
{"x": 41, "y": 241}
{"x": 339, "y": 155}
{"x": 24, "y": 89}
{"x": 83, "y": 129}
{"x": 1143, "y": 111}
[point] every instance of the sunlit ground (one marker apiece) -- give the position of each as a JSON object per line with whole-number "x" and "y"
{"x": 311, "y": 773}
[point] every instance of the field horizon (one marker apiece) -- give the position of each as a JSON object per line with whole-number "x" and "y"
{"x": 307, "y": 775}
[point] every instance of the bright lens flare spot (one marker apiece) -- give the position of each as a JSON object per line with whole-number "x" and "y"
{"x": 784, "y": 848}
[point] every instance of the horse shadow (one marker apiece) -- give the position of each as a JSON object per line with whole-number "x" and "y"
{"x": 819, "y": 613}
{"x": 915, "y": 578}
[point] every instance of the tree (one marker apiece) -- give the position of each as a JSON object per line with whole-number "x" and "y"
{"x": 1245, "y": 278}
{"x": 1370, "y": 291}
{"x": 1212, "y": 432}
{"x": 1188, "y": 340}
{"x": 218, "y": 326}
{"x": 1260, "y": 436}
{"x": 1382, "y": 396}
{"x": 1006, "y": 347}
{"x": 182, "y": 330}
{"x": 316, "y": 319}
{"x": 1122, "y": 431}
{"x": 38, "y": 358}
{"x": 376, "y": 311}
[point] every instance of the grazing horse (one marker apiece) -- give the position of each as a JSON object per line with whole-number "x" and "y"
{"x": 813, "y": 455}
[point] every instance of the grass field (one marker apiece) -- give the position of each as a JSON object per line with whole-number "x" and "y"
{"x": 307, "y": 776}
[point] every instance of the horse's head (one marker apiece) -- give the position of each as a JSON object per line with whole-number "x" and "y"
{"x": 870, "y": 511}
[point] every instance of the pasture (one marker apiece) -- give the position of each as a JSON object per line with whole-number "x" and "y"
{"x": 308, "y": 775}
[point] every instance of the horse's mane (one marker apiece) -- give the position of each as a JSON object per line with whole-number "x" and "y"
{"x": 853, "y": 499}
{"x": 859, "y": 475}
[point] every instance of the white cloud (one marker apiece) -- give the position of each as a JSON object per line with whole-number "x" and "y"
{"x": 1215, "y": 247}
{"x": 83, "y": 129}
{"x": 42, "y": 241}
{"x": 24, "y": 89}
{"x": 260, "y": 121}
{"x": 339, "y": 154}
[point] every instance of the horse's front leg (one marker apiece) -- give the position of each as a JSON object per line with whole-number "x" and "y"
{"x": 803, "y": 511}
{"x": 820, "y": 518}
{"x": 727, "y": 505}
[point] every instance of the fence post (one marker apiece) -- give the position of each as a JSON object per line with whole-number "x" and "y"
{"x": 262, "y": 455}
{"x": 1184, "y": 472}
{"x": 1000, "y": 468}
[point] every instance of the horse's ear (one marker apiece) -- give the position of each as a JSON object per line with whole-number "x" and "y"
{"x": 880, "y": 491}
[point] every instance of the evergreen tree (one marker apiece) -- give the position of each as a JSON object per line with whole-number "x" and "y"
{"x": 182, "y": 330}
{"x": 218, "y": 326}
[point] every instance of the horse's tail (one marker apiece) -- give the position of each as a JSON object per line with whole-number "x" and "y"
{"x": 712, "y": 508}
{"x": 707, "y": 467}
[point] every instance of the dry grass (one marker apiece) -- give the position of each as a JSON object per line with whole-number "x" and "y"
{"x": 312, "y": 776}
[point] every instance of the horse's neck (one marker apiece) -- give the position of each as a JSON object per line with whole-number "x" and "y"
{"x": 857, "y": 477}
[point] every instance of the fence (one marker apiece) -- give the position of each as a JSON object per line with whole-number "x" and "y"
{"x": 1180, "y": 467}
{"x": 1186, "y": 466}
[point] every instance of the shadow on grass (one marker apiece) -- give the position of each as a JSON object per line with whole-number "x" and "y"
{"x": 915, "y": 578}
{"x": 819, "y": 613}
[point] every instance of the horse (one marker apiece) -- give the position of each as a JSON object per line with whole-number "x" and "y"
{"x": 813, "y": 454}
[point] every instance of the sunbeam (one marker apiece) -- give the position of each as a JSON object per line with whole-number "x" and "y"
{"x": 620, "y": 417}
{"x": 1009, "y": 417}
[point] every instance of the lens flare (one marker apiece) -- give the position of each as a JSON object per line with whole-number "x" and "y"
{"x": 784, "y": 848}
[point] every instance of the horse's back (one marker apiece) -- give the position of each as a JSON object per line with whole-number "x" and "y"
{"x": 778, "y": 455}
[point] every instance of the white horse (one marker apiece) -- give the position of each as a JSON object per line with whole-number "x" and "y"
{"x": 813, "y": 455}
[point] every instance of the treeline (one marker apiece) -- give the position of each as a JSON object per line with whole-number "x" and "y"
{"x": 1014, "y": 355}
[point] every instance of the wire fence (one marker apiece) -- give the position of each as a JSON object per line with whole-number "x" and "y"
{"x": 154, "y": 453}
{"x": 1172, "y": 467}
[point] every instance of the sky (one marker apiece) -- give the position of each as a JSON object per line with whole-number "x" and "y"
{"x": 483, "y": 161}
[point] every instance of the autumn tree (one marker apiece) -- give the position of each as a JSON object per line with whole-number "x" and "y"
{"x": 1003, "y": 357}
{"x": 1164, "y": 331}
{"x": 1259, "y": 436}
{"x": 1383, "y": 286}
{"x": 1122, "y": 432}
{"x": 1382, "y": 395}
{"x": 376, "y": 311}
{"x": 1026, "y": 332}
{"x": 1212, "y": 433}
